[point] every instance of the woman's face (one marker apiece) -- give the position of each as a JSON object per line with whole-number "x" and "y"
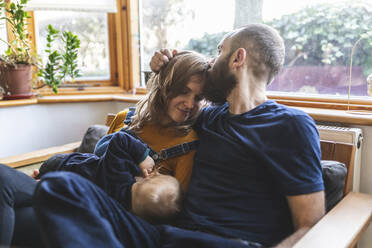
{"x": 182, "y": 106}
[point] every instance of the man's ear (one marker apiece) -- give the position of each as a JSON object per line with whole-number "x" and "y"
{"x": 238, "y": 58}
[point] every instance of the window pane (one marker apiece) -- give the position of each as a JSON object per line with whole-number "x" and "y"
{"x": 183, "y": 24}
{"x": 318, "y": 37}
{"x": 92, "y": 31}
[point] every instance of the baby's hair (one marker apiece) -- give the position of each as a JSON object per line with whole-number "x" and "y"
{"x": 158, "y": 200}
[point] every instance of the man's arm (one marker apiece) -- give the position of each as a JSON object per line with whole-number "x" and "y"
{"x": 306, "y": 211}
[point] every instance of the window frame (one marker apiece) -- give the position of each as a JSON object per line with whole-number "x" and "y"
{"x": 323, "y": 102}
{"x": 119, "y": 56}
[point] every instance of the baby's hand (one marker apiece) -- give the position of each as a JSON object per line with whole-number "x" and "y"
{"x": 35, "y": 174}
{"x": 147, "y": 166}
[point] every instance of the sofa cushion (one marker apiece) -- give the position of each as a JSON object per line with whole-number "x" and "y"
{"x": 334, "y": 175}
{"x": 91, "y": 137}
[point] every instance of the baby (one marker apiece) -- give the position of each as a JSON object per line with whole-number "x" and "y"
{"x": 156, "y": 198}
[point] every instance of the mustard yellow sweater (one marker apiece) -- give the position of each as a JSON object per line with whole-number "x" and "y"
{"x": 159, "y": 138}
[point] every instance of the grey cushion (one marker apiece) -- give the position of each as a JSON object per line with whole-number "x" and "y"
{"x": 334, "y": 175}
{"x": 91, "y": 137}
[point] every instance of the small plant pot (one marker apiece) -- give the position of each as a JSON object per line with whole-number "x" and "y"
{"x": 16, "y": 82}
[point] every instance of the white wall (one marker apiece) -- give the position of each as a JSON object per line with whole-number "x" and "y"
{"x": 33, "y": 127}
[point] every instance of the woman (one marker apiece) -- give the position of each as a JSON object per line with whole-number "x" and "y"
{"x": 163, "y": 119}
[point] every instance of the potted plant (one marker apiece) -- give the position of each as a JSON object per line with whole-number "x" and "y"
{"x": 60, "y": 64}
{"x": 16, "y": 64}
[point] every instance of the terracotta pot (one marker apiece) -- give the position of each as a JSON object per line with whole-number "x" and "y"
{"x": 16, "y": 81}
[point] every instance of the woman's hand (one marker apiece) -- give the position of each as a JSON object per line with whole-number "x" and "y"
{"x": 147, "y": 166}
{"x": 161, "y": 58}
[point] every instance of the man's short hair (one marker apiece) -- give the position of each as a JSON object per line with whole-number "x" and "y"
{"x": 264, "y": 46}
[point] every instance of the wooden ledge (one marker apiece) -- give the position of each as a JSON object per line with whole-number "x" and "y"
{"x": 73, "y": 99}
{"x": 39, "y": 155}
{"x": 342, "y": 226}
{"x": 342, "y": 116}
{"x": 90, "y": 98}
{"x": 12, "y": 103}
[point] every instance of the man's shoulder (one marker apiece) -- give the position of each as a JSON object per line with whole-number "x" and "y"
{"x": 298, "y": 123}
{"x": 289, "y": 113}
{"x": 214, "y": 109}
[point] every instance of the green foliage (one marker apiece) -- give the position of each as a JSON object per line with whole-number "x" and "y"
{"x": 206, "y": 45}
{"x": 321, "y": 34}
{"x": 50, "y": 73}
{"x": 324, "y": 34}
{"x": 93, "y": 39}
{"x": 69, "y": 58}
{"x": 59, "y": 66}
{"x": 19, "y": 50}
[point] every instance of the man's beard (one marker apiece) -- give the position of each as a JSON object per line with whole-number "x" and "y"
{"x": 219, "y": 84}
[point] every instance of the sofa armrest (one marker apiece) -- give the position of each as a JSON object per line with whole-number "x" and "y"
{"x": 343, "y": 225}
{"x": 39, "y": 155}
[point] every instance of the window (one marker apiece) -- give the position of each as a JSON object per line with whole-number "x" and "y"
{"x": 89, "y": 20}
{"x": 92, "y": 30}
{"x": 318, "y": 36}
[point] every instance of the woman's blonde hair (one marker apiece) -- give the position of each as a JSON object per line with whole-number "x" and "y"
{"x": 164, "y": 86}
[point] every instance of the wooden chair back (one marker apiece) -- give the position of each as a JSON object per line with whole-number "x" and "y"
{"x": 109, "y": 119}
{"x": 341, "y": 152}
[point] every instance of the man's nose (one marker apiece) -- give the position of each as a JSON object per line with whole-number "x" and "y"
{"x": 211, "y": 62}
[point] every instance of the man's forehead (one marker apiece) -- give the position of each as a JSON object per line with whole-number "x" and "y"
{"x": 227, "y": 38}
{"x": 223, "y": 42}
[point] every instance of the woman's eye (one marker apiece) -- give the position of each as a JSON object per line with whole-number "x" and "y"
{"x": 184, "y": 92}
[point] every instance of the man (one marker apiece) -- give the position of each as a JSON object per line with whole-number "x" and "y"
{"x": 256, "y": 178}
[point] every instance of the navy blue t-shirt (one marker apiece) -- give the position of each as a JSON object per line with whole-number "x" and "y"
{"x": 245, "y": 167}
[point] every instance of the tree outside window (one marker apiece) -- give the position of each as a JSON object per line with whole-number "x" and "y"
{"x": 318, "y": 37}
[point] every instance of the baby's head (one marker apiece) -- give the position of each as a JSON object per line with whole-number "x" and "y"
{"x": 156, "y": 198}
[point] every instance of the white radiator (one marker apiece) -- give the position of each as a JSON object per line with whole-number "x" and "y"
{"x": 350, "y": 136}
